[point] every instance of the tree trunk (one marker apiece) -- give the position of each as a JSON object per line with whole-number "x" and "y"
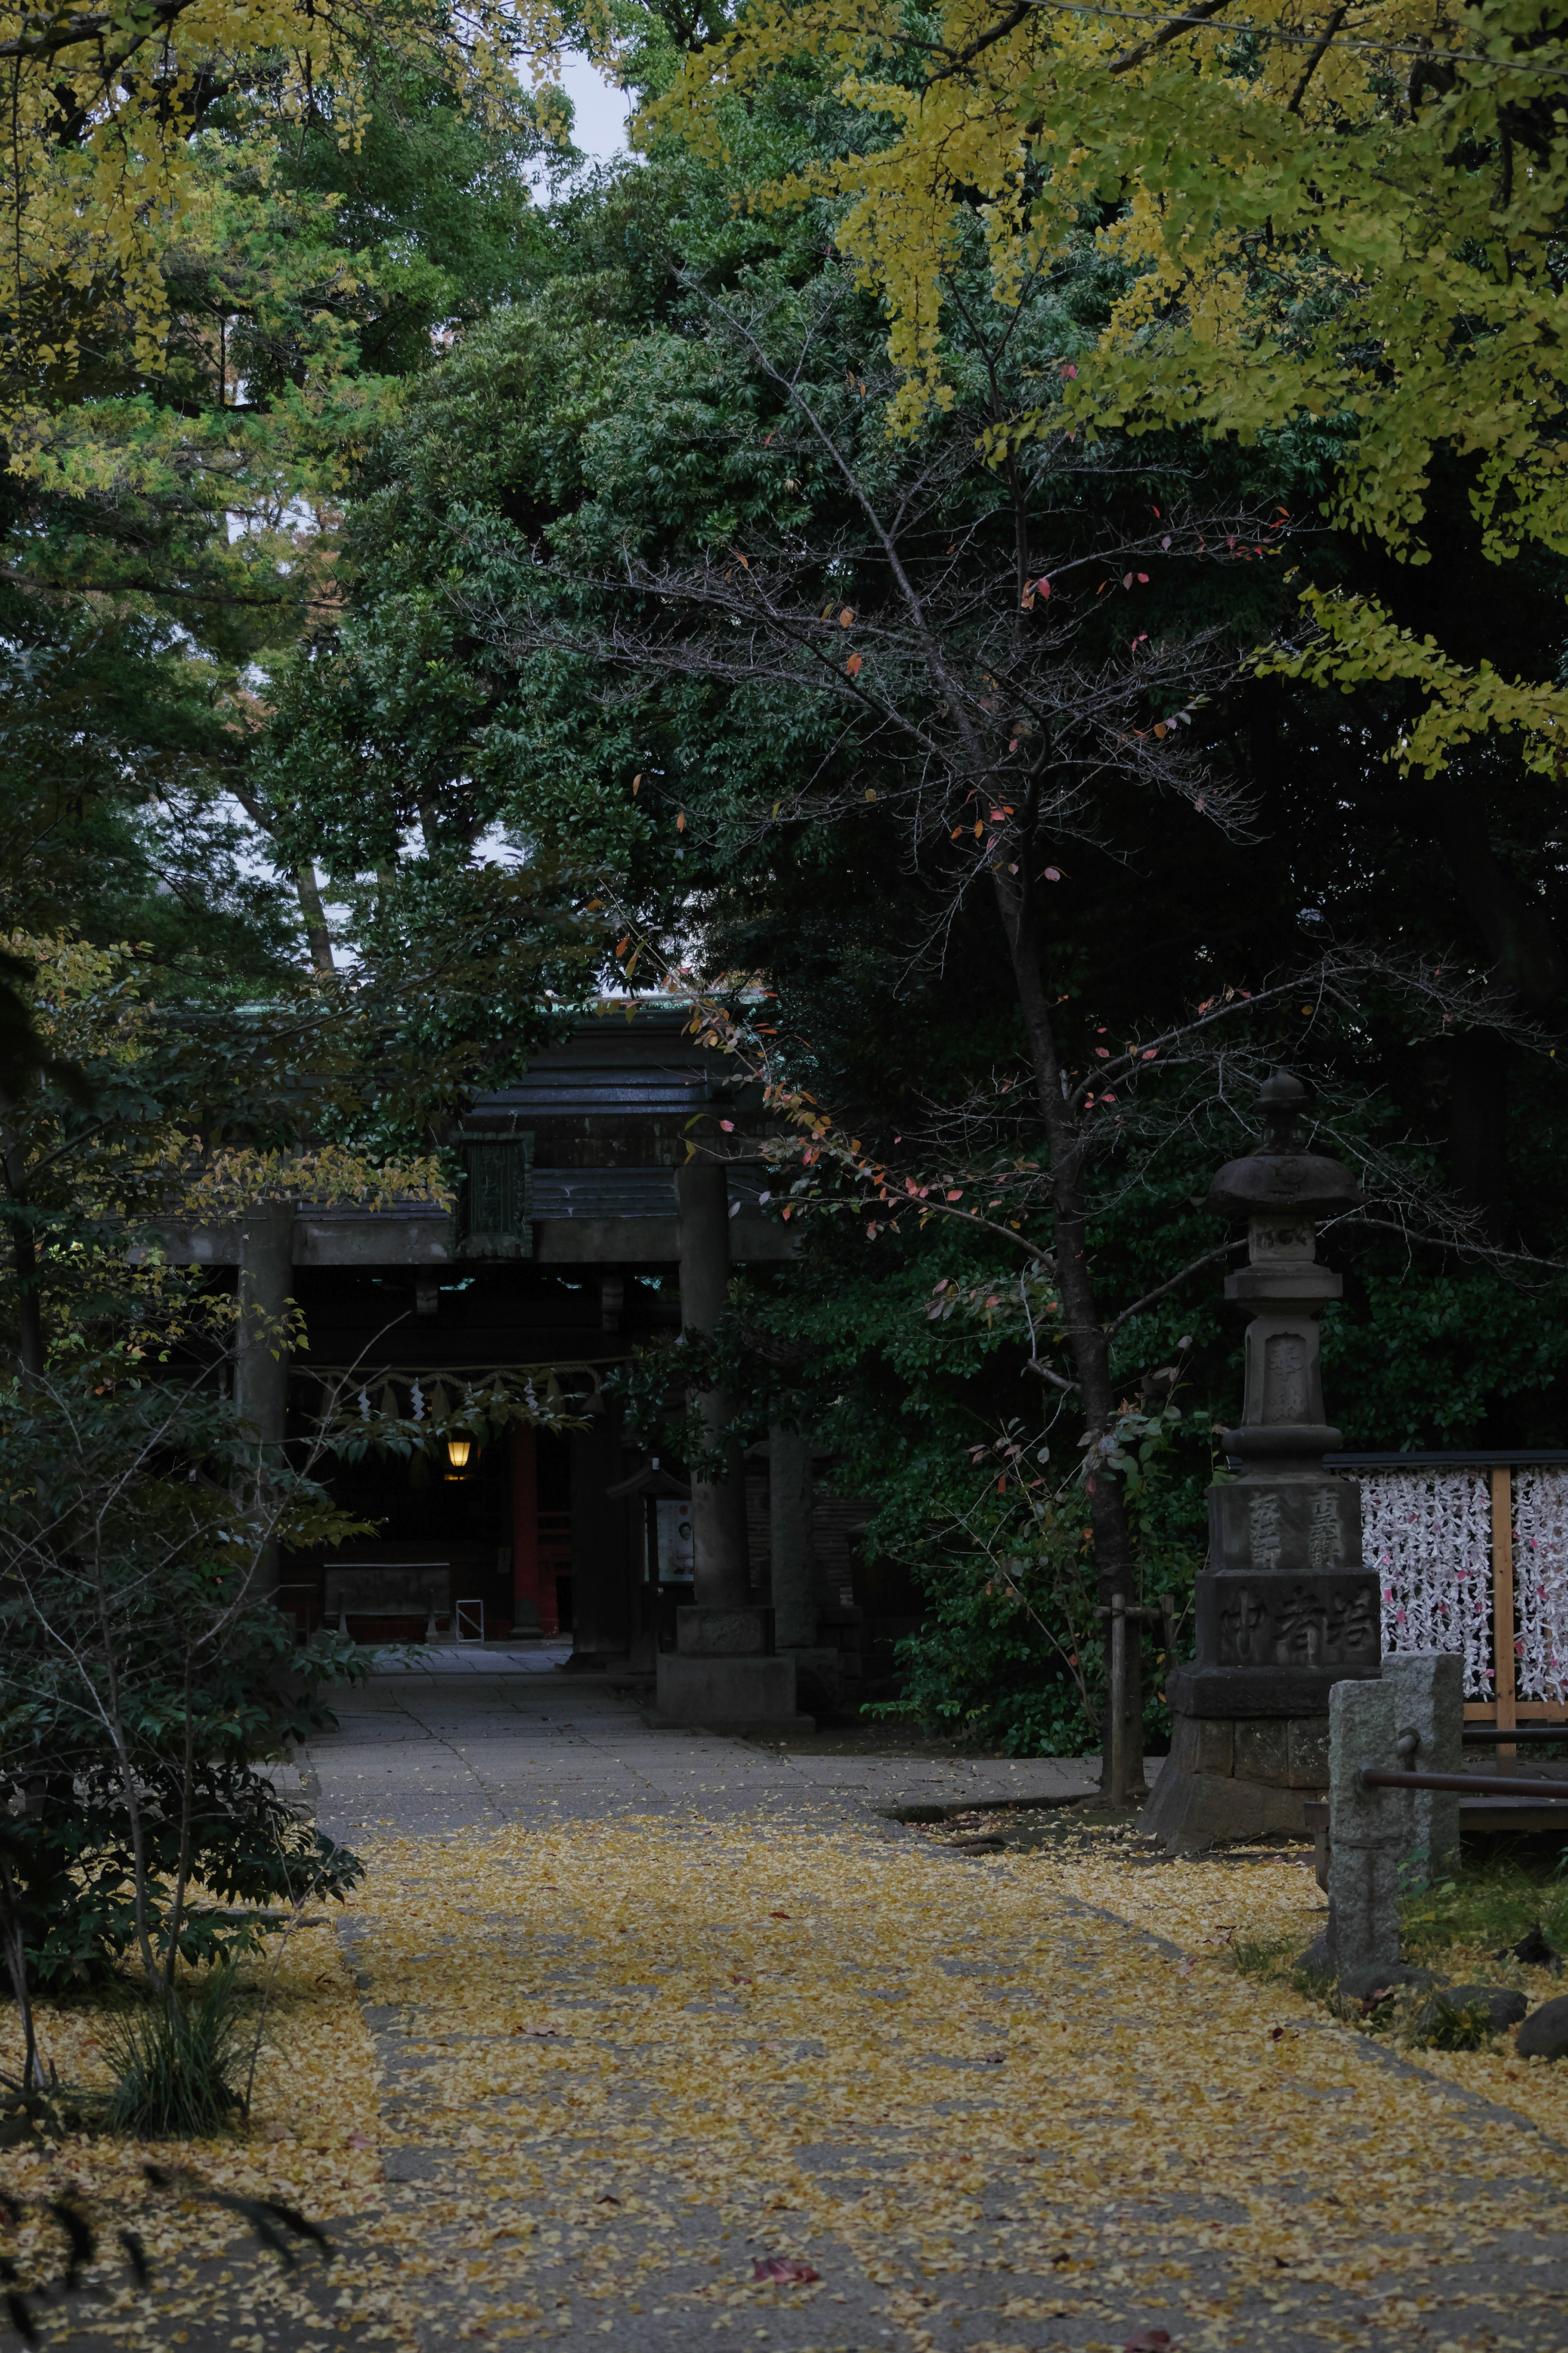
{"x": 13, "y": 1935}
{"x": 1526, "y": 961}
{"x": 29, "y": 1306}
{"x": 25, "y": 1253}
{"x": 1083, "y": 1325}
{"x": 318, "y": 937}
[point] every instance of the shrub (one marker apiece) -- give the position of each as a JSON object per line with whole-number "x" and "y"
{"x": 141, "y": 1672}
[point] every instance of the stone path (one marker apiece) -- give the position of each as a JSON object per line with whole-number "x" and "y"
{"x": 682, "y": 2007}
{"x": 471, "y": 1739}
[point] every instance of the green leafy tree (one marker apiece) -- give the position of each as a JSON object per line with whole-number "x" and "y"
{"x": 170, "y": 519}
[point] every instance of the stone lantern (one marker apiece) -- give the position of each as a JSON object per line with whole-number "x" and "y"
{"x": 1284, "y": 1607}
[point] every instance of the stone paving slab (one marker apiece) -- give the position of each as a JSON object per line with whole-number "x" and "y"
{"x": 436, "y": 1751}
{"x": 422, "y": 1661}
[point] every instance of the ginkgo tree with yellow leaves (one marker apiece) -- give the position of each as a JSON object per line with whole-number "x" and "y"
{"x": 1348, "y": 214}
{"x": 102, "y": 170}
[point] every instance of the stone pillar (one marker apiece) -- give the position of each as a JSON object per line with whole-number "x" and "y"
{"x": 525, "y": 1580}
{"x": 1383, "y": 1842}
{"x": 1428, "y": 1689}
{"x": 1430, "y": 1702}
{"x": 724, "y": 1671}
{"x": 1284, "y": 1608}
{"x": 719, "y": 1505}
{"x": 1367, "y": 1831}
{"x": 261, "y": 1351}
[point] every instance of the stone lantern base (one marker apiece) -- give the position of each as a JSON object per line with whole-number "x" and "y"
{"x": 725, "y": 1676}
{"x": 1236, "y": 1777}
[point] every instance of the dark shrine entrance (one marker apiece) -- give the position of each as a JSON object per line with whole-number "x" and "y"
{"x": 563, "y": 1254}
{"x": 512, "y": 1538}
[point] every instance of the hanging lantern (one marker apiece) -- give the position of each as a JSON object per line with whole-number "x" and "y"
{"x": 457, "y": 1452}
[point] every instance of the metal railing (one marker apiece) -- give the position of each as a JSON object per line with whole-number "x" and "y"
{"x": 1468, "y": 1785}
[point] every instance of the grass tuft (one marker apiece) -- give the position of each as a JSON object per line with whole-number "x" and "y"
{"x": 1485, "y": 1907}
{"x": 1453, "y": 2026}
{"x": 1262, "y": 1957}
{"x": 178, "y": 2063}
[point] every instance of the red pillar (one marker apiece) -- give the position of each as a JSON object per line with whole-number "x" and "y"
{"x": 528, "y": 1586}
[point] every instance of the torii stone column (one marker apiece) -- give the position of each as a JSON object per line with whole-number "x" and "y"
{"x": 718, "y": 1505}
{"x": 261, "y": 1351}
{"x": 724, "y": 1669}
{"x": 1285, "y": 1609}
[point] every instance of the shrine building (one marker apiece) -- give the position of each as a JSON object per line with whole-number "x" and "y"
{"x": 564, "y": 1254}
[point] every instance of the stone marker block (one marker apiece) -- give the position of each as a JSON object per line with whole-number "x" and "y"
{"x": 1430, "y": 1702}
{"x": 1309, "y": 1752}
{"x": 1368, "y": 1829}
{"x": 1262, "y": 1750}
{"x": 729, "y": 1694}
{"x": 723, "y": 1633}
{"x": 1189, "y": 1812}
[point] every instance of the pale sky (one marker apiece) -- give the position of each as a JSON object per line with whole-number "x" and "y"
{"x": 600, "y": 111}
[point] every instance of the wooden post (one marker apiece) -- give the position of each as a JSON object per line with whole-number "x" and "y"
{"x": 1504, "y": 1687}
{"x": 528, "y": 1612}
